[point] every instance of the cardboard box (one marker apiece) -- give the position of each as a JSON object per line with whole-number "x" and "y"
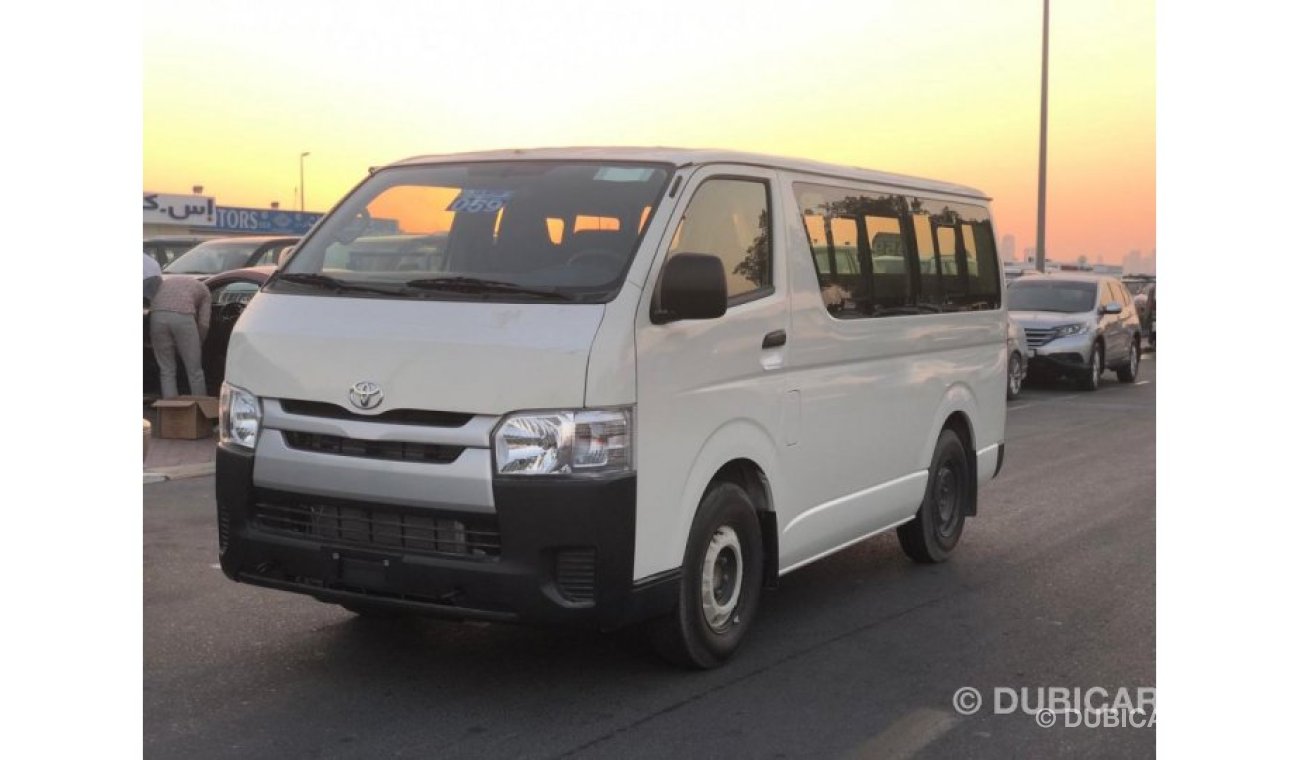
{"x": 187, "y": 416}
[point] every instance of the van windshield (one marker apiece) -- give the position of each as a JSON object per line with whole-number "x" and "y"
{"x": 508, "y": 231}
{"x": 1035, "y": 294}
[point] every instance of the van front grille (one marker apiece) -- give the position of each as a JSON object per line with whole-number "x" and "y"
{"x": 421, "y": 531}
{"x": 423, "y": 417}
{"x": 397, "y": 451}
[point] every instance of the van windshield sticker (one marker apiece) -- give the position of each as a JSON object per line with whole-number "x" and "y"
{"x": 623, "y": 174}
{"x": 478, "y": 201}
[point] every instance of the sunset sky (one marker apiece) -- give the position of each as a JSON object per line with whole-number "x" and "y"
{"x": 948, "y": 89}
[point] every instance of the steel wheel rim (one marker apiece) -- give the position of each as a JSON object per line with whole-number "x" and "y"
{"x": 721, "y": 579}
{"x": 1016, "y": 375}
{"x": 1132, "y": 360}
{"x": 947, "y": 498}
{"x": 1096, "y": 367}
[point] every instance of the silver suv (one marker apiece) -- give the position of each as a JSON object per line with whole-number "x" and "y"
{"x": 1078, "y": 325}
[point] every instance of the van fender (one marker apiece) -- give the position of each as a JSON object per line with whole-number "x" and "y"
{"x": 958, "y": 398}
{"x": 737, "y": 439}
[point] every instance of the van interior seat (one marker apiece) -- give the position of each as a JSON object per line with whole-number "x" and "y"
{"x": 588, "y": 241}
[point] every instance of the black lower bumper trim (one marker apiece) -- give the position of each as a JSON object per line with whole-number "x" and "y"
{"x": 566, "y": 549}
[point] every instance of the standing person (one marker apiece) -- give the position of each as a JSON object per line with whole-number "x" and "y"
{"x": 152, "y": 278}
{"x": 178, "y": 323}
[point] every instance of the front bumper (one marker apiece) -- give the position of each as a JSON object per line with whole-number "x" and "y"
{"x": 558, "y": 551}
{"x": 1068, "y": 354}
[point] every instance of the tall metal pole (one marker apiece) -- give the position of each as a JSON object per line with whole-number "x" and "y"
{"x": 302, "y": 185}
{"x": 1040, "y": 253}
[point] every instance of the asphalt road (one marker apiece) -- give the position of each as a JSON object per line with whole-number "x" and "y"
{"x": 858, "y": 655}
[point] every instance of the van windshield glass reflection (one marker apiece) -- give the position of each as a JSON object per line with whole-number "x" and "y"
{"x": 509, "y": 230}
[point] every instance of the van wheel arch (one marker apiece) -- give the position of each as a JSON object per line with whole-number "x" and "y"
{"x": 959, "y": 423}
{"x": 749, "y": 476}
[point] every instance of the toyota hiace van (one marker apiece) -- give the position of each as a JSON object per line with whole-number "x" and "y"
{"x": 625, "y": 385}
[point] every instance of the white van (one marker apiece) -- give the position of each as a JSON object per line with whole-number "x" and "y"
{"x": 617, "y": 385}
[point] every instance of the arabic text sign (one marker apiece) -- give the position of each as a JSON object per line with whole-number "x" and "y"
{"x": 189, "y": 210}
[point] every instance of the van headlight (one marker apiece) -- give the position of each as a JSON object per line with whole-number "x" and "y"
{"x": 568, "y": 442}
{"x": 241, "y": 416}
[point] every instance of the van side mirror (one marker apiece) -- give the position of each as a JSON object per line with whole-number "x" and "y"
{"x": 691, "y": 286}
{"x": 1113, "y": 307}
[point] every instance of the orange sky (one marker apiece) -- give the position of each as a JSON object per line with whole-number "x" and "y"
{"x": 234, "y": 91}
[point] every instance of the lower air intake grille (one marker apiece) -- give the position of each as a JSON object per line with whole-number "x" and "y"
{"x": 223, "y": 529}
{"x": 575, "y": 574}
{"x": 398, "y": 451}
{"x": 420, "y": 531}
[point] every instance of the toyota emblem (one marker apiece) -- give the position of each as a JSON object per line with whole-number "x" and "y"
{"x": 366, "y": 395}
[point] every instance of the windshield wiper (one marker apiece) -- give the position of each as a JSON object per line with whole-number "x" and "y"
{"x": 475, "y": 285}
{"x": 337, "y": 285}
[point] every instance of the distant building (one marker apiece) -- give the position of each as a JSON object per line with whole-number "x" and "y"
{"x": 1136, "y": 263}
{"x": 1008, "y": 248}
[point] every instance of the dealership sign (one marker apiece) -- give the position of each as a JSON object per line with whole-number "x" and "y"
{"x": 266, "y": 221}
{"x": 189, "y": 210}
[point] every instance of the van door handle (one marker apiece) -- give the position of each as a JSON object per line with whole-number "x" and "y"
{"x": 774, "y": 339}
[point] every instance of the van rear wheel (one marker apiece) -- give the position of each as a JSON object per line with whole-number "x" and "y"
{"x": 934, "y": 533}
{"x": 721, "y": 582}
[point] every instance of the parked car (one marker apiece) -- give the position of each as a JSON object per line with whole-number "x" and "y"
{"x": 167, "y": 248}
{"x": 231, "y": 292}
{"x": 1136, "y": 283}
{"x": 1078, "y": 325}
{"x": 1146, "y": 306}
{"x": 224, "y": 254}
{"x": 1017, "y": 358}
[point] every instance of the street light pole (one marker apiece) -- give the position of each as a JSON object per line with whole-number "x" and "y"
{"x": 1040, "y": 255}
{"x": 302, "y": 184}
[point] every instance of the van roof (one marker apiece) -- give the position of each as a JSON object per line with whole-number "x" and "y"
{"x": 681, "y": 157}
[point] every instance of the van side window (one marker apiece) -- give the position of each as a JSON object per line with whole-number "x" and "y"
{"x": 729, "y": 218}
{"x": 863, "y": 261}
{"x": 958, "y": 257}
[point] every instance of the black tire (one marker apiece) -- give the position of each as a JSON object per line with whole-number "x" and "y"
{"x": 932, "y": 536}
{"x": 725, "y": 522}
{"x": 1090, "y": 378}
{"x": 1015, "y": 374}
{"x": 1129, "y": 372}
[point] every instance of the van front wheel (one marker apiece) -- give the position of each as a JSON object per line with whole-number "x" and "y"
{"x": 721, "y": 582}
{"x": 935, "y": 531}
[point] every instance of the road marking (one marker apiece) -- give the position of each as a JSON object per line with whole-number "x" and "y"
{"x": 908, "y": 735}
{"x": 1142, "y": 382}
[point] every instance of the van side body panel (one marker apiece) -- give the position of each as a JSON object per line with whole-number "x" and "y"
{"x": 875, "y": 393}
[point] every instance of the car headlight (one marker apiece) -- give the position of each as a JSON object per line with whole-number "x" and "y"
{"x": 241, "y": 416}
{"x": 566, "y": 442}
{"x": 1073, "y": 329}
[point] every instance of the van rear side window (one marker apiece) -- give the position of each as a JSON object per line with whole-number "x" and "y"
{"x": 908, "y": 256}
{"x": 859, "y": 249}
